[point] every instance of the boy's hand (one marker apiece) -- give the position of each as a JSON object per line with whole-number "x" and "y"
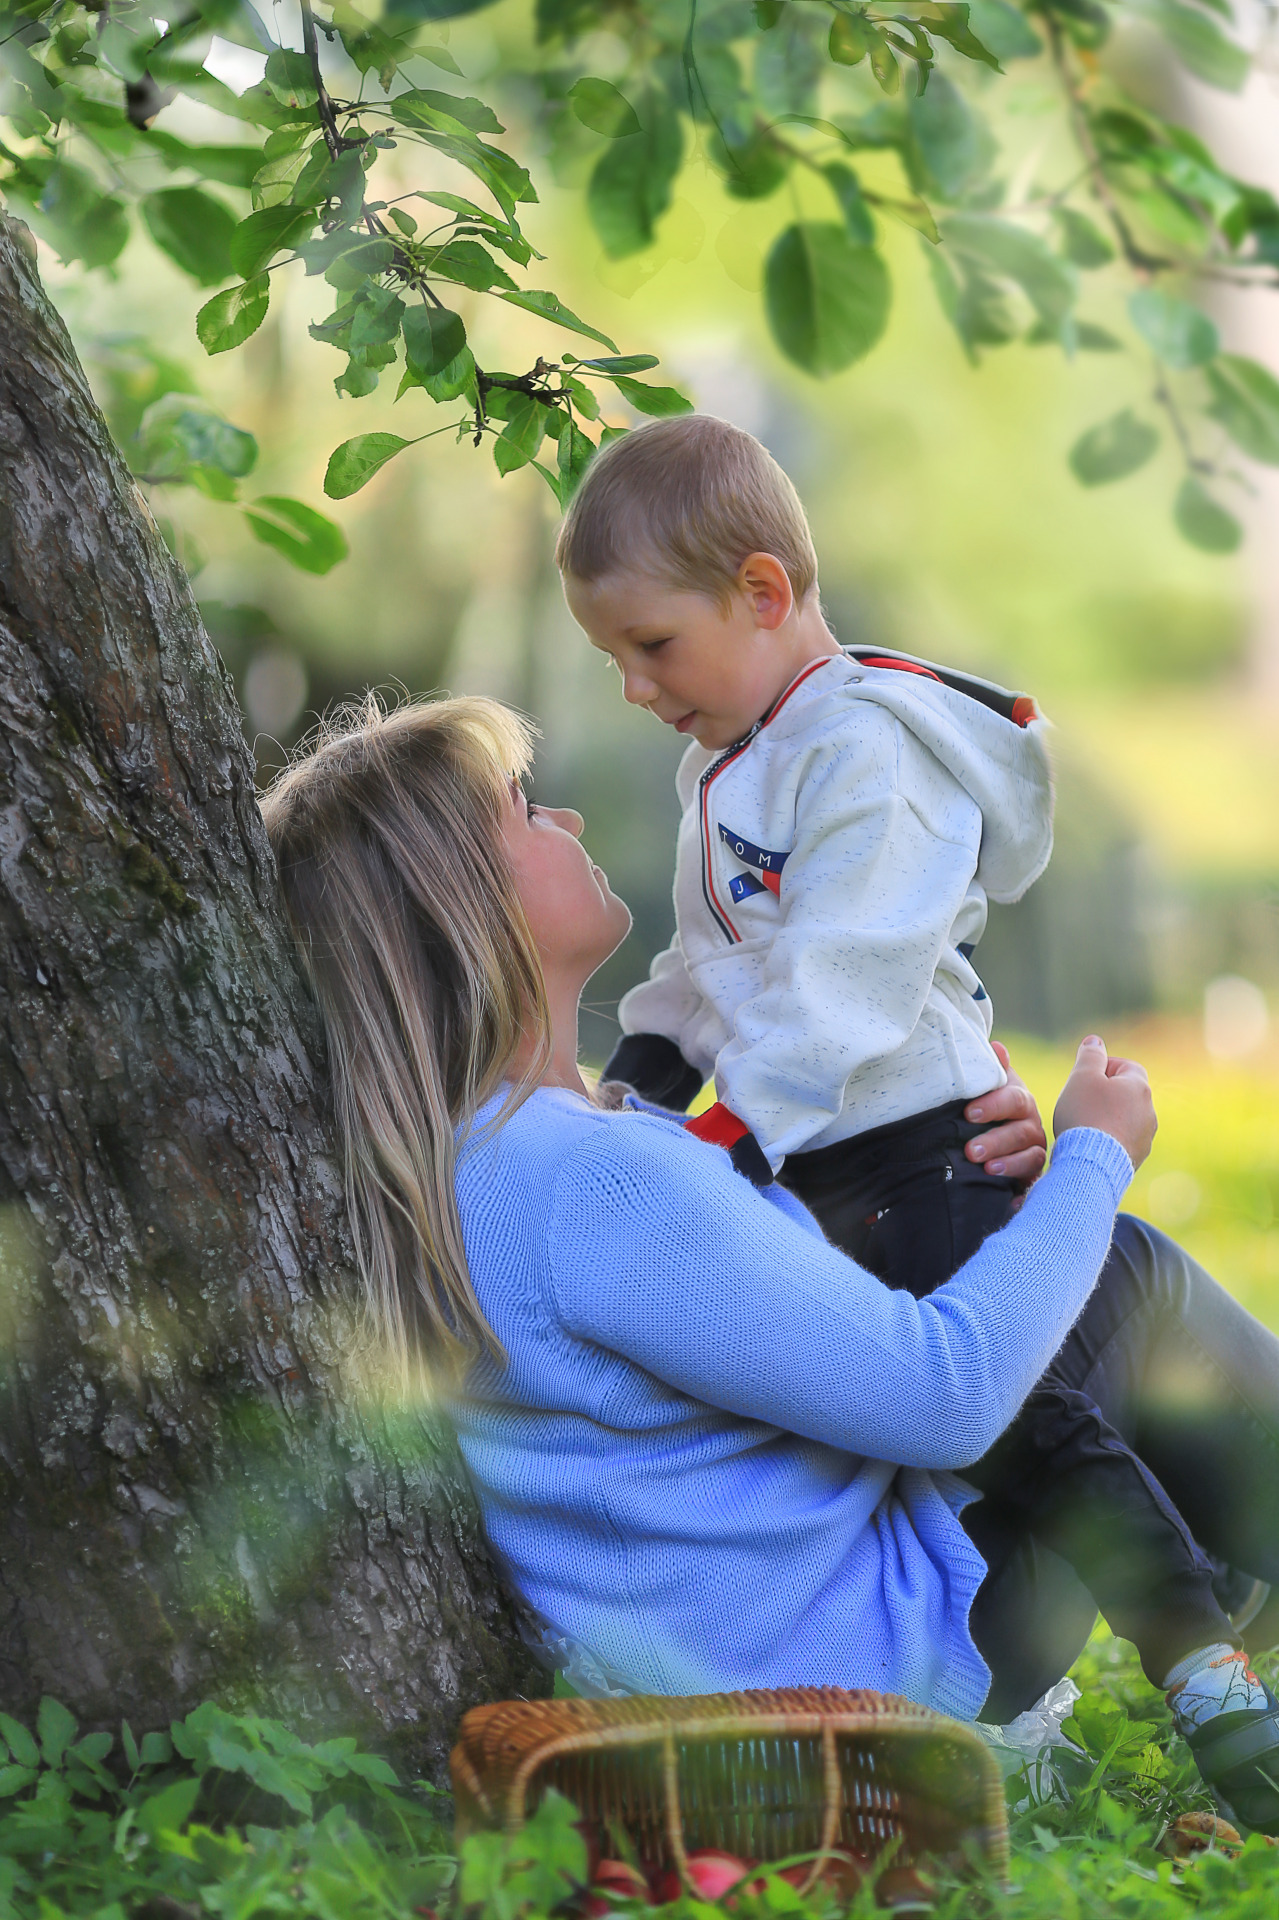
{"x": 1014, "y": 1142}
{"x": 1112, "y": 1095}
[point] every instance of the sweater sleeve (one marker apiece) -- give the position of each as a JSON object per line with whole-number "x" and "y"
{"x": 868, "y": 898}
{"x": 661, "y": 1253}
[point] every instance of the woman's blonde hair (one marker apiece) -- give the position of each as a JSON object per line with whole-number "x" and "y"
{"x": 387, "y": 832}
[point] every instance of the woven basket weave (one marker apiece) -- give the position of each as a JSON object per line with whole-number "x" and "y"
{"x": 760, "y": 1775}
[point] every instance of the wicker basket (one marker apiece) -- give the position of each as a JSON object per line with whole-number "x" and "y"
{"x": 760, "y": 1775}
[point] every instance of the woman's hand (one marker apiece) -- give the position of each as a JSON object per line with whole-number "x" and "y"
{"x": 1112, "y": 1095}
{"x": 1015, "y": 1142}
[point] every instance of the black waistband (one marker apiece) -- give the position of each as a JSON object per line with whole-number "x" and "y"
{"x": 938, "y": 1136}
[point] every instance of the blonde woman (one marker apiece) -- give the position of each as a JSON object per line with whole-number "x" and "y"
{"x": 711, "y": 1451}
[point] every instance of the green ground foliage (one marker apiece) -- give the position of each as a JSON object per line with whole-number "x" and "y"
{"x": 232, "y": 1815}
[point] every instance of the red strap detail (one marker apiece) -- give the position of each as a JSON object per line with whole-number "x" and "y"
{"x": 718, "y": 1125}
{"x": 773, "y": 881}
{"x": 1024, "y": 710}
{"x": 899, "y": 666}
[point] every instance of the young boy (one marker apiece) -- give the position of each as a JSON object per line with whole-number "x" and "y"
{"x": 847, "y": 814}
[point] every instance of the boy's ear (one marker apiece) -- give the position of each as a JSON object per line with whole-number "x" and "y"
{"x": 766, "y": 584}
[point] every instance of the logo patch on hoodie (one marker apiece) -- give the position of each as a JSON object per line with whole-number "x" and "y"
{"x": 768, "y": 867}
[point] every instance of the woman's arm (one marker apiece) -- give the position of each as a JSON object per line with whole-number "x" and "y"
{"x": 663, "y": 1254}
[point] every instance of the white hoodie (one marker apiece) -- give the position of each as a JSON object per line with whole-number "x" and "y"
{"x": 831, "y": 879}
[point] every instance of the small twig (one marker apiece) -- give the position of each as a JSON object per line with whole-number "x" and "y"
{"x": 333, "y": 140}
{"x": 1143, "y": 264}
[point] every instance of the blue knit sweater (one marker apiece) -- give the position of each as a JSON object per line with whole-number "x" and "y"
{"x": 722, "y": 1453}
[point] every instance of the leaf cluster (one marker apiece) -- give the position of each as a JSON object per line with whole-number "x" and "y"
{"x": 878, "y": 110}
{"x": 226, "y": 1814}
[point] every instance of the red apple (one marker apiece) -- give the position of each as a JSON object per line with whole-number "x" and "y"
{"x": 613, "y": 1877}
{"x": 711, "y": 1873}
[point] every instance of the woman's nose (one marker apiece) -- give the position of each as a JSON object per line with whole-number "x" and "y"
{"x": 571, "y": 820}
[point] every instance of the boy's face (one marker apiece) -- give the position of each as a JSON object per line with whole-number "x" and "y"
{"x": 706, "y": 670}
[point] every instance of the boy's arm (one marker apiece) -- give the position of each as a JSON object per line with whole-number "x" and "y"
{"x": 886, "y": 849}
{"x": 656, "y": 1018}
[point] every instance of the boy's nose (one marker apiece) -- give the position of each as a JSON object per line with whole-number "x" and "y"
{"x": 638, "y": 688}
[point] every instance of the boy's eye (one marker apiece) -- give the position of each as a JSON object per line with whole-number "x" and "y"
{"x": 652, "y": 646}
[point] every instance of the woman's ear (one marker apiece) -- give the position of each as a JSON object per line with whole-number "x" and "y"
{"x": 766, "y": 584}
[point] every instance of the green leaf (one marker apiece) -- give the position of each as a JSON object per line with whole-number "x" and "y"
{"x": 428, "y": 105}
{"x": 258, "y": 239}
{"x": 847, "y": 189}
{"x": 377, "y": 321}
{"x": 1203, "y": 521}
{"x": 349, "y": 267}
{"x": 852, "y": 36}
{"x": 309, "y": 539}
{"x": 458, "y": 377}
{"x": 600, "y": 106}
{"x": 575, "y": 454}
{"x": 20, "y": 1742}
{"x": 827, "y": 298}
{"x": 78, "y": 219}
{"x": 290, "y": 79}
{"x": 353, "y": 464}
{"x": 552, "y": 308}
{"x": 229, "y": 318}
{"x": 231, "y": 166}
{"x": 130, "y": 1746}
{"x": 952, "y": 141}
{"x": 621, "y": 363}
{"x": 1004, "y": 29}
{"x": 1082, "y": 240}
{"x": 178, "y": 433}
{"x": 951, "y": 22}
{"x": 521, "y": 437}
{"x": 659, "y": 401}
{"x": 470, "y": 265}
{"x": 432, "y": 337}
{"x": 1245, "y": 399}
{"x": 1180, "y": 334}
{"x": 14, "y": 1779}
{"x": 1113, "y": 449}
{"x": 630, "y": 187}
{"x": 1015, "y": 253}
{"x": 156, "y": 1750}
{"x": 169, "y": 1810}
{"x": 57, "y": 1728}
{"x": 1198, "y": 44}
{"x": 505, "y": 179}
{"x": 194, "y": 230}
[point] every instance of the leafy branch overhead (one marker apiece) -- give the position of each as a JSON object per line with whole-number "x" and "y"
{"x": 867, "y": 113}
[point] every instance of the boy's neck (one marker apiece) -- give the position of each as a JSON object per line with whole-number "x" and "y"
{"x": 803, "y": 638}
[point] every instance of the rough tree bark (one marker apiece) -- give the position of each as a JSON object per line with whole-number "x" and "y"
{"x": 195, "y": 1498}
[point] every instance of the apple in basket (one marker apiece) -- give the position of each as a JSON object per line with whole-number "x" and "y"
{"x": 712, "y": 1874}
{"x": 616, "y": 1877}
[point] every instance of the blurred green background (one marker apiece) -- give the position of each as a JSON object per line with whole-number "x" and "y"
{"x": 947, "y": 523}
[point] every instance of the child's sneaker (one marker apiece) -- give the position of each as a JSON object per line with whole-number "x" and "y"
{"x": 1230, "y": 1721}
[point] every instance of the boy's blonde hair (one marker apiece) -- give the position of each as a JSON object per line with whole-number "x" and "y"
{"x": 387, "y": 831}
{"x": 691, "y": 497}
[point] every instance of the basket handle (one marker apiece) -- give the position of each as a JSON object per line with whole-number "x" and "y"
{"x": 674, "y": 1819}
{"x": 832, "y": 1809}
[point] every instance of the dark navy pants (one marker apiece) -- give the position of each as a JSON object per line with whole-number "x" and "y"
{"x": 1152, "y": 1435}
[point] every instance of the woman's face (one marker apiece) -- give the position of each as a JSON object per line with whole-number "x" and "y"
{"x": 574, "y": 916}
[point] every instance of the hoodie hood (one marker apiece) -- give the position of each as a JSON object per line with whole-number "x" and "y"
{"x": 1002, "y": 764}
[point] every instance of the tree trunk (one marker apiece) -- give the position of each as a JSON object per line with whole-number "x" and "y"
{"x": 196, "y": 1499}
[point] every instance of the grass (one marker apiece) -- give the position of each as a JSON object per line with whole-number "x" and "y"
{"x": 232, "y": 1815}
